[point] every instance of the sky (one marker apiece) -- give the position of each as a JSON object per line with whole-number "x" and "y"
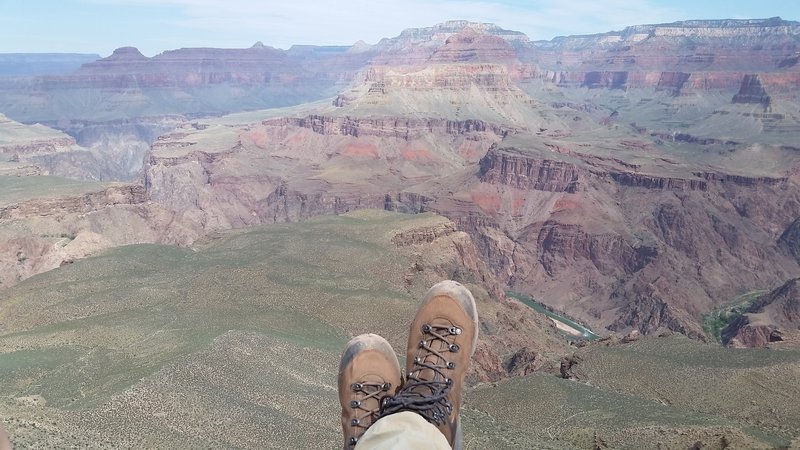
{"x": 100, "y": 26}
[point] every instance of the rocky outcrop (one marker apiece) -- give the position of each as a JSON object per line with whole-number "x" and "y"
{"x": 400, "y": 128}
{"x": 752, "y": 92}
{"x": 423, "y": 235}
{"x": 773, "y": 317}
{"x": 416, "y": 46}
{"x": 571, "y": 368}
{"x": 114, "y": 195}
{"x": 561, "y": 244}
{"x": 471, "y": 45}
{"x": 39, "y": 234}
{"x": 606, "y": 80}
{"x": 676, "y": 57}
{"x": 672, "y": 82}
{"x": 691, "y": 139}
{"x": 448, "y": 77}
{"x": 646, "y": 181}
{"x": 512, "y": 167}
{"x": 741, "y": 180}
{"x": 36, "y": 147}
{"x": 649, "y": 313}
{"x": 526, "y": 361}
{"x": 406, "y": 202}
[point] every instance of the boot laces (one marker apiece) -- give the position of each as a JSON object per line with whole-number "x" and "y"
{"x": 366, "y": 411}
{"x": 427, "y": 387}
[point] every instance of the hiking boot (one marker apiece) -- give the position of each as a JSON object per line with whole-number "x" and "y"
{"x": 441, "y": 341}
{"x": 368, "y": 372}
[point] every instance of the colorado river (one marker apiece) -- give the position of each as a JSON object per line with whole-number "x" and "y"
{"x": 565, "y": 325}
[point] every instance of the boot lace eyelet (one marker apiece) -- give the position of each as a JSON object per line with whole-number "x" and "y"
{"x": 455, "y": 330}
{"x": 355, "y": 404}
{"x": 357, "y": 386}
{"x": 454, "y": 348}
{"x": 451, "y": 365}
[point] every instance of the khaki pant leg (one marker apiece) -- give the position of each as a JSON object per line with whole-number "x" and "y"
{"x": 403, "y": 431}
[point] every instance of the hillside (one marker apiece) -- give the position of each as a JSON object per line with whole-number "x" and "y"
{"x": 235, "y": 342}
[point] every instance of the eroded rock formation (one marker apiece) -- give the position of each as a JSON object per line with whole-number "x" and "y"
{"x": 774, "y": 317}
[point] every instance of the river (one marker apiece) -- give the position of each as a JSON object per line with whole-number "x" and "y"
{"x": 564, "y": 324}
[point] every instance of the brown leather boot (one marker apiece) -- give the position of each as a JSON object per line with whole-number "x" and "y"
{"x": 441, "y": 341}
{"x": 368, "y": 372}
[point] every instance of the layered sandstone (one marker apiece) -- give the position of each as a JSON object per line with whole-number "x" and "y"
{"x": 511, "y": 168}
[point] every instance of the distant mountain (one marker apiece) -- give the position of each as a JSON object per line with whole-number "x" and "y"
{"x": 34, "y": 64}
{"x": 695, "y": 55}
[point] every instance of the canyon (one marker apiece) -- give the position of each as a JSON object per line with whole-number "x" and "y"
{"x": 164, "y": 219}
{"x": 633, "y": 180}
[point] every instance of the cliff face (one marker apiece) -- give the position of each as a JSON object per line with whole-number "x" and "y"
{"x": 112, "y": 150}
{"x": 656, "y": 250}
{"x": 672, "y": 55}
{"x": 396, "y": 128}
{"x": 115, "y": 195}
{"x": 521, "y": 172}
{"x": 752, "y": 92}
{"x": 294, "y": 168}
{"x": 38, "y": 234}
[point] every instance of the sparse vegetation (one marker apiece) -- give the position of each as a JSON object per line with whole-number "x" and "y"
{"x": 236, "y": 345}
{"x": 716, "y": 321}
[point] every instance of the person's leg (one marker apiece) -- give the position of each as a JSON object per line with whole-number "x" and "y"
{"x": 441, "y": 341}
{"x": 368, "y": 372}
{"x": 403, "y": 431}
{"x": 5, "y": 444}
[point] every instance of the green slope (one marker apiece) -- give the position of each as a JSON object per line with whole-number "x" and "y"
{"x": 235, "y": 344}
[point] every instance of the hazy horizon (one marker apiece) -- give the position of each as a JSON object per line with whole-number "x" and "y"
{"x": 100, "y": 26}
